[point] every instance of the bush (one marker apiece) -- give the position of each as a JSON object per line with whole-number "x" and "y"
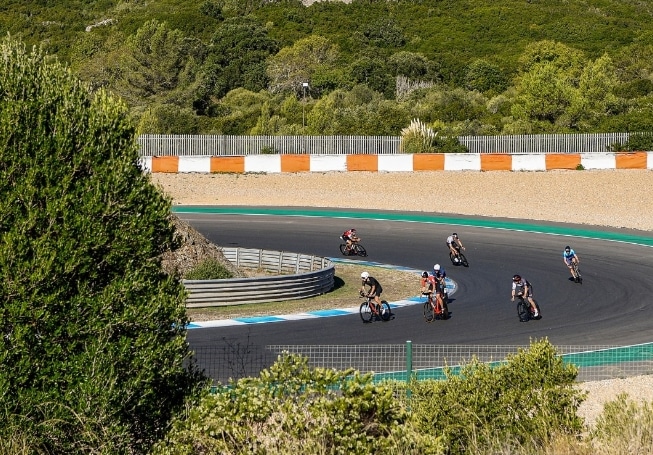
{"x": 93, "y": 357}
{"x": 524, "y": 401}
{"x": 291, "y": 408}
{"x": 624, "y": 426}
{"x": 209, "y": 269}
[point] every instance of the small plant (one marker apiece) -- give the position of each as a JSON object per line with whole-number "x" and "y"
{"x": 580, "y": 167}
{"x": 209, "y": 269}
{"x": 269, "y": 150}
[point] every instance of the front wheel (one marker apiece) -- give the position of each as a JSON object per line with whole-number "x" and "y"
{"x": 453, "y": 258}
{"x": 429, "y": 312}
{"x": 360, "y": 250}
{"x": 366, "y": 312}
{"x": 385, "y": 311}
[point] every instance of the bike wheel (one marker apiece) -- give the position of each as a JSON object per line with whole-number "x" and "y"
{"x": 366, "y": 312}
{"x": 523, "y": 311}
{"x": 385, "y": 311}
{"x": 463, "y": 260}
{"x": 343, "y": 249}
{"x": 360, "y": 250}
{"x": 453, "y": 258}
{"x": 429, "y": 312}
{"x": 445, "y": 310}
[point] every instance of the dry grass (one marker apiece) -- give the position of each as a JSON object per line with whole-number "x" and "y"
{"x": 397, "y": 285}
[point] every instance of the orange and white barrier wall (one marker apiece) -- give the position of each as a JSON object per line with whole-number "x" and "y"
{"x": 396, "y": 163}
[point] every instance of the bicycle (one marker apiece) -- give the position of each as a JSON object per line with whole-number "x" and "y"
{"x": 525, "y": 311}
{"x": 368, "y": 309}
{"x": 435, "y": 308}
{"x": 579, "y": 277}
{"x": 356, "y": 249}
{"x": 458, "y": 258}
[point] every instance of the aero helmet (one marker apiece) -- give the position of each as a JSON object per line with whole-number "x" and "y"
{"x": 425, "y": 274}
{"x": 436, "y": 267}
{"x": 365, "y": 275}
{"x": 516, "y": 278}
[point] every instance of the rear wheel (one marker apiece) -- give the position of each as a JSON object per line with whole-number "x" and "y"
{"x": 360, "y": 250}
{"x": 366, "y": 312}
{"x": 463, "y": 259}
{"x": 429, "y": 312}
{"x": 445, "y": 310}
{"x": 453, "y": 258}
{"x": 523, "y": 310}
{"x": 385, "y": 311}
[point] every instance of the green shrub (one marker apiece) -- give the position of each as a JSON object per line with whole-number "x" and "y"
{"x": 269, "y": 150}
{"x": 209, "y": 269}
{"x": 524, "y": 401}
{"x": 94, "y": 357}
{"x": 624, "y": 426}
{"x": 580, "y": 167}
{"x": 291, "y": 408}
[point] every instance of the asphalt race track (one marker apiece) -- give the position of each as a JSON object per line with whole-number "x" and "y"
{"x": 613, "y": 306}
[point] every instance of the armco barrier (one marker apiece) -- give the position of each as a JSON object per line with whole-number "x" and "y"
{"x": 396, "y": 163}
{"x": 295, "y": 276}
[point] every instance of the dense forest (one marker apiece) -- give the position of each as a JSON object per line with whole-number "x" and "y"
{"x": 368, "y": 67}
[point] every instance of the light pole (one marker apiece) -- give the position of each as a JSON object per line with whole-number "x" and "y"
{"x": 304, "y": 87}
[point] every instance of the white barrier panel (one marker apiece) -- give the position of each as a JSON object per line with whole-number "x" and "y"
{"x": 195, "y": 164}
{"x": 649, "y": 160}
{"x": 529, "y": 162}
{"x": 395, "y": 163}
{"x": 327, "y": 163}
{"x": 598, "y": 160}
{"x": 462, "y": 162}
{"x": 263, "y": 163}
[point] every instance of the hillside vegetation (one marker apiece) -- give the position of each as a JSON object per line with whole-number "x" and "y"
{"x": 460, "y": 67}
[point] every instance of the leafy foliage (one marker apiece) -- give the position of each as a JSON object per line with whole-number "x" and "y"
{"x": 209, "y": 269}
{"x": 291, "y": 407}
{"x": 526, "y": 400}
{"x": 93, "y": 344}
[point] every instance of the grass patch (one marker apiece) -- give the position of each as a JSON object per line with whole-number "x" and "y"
{"x": 397, "y": 285}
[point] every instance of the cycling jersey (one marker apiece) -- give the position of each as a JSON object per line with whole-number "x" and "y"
{"x": 519, "y": 287}
{"x": 451, "y": 240}
{"x": 569, "y": 255}
{"x": 428, "y": 282}
{"x": 373, "y": 283}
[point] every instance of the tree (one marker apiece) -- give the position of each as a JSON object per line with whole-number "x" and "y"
{"x": 237, "y": 58}
{"x": 93, "y": 349}
{"x": 294, "y": 65}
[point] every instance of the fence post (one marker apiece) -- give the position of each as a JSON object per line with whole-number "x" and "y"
{"x": 409, "y": 365}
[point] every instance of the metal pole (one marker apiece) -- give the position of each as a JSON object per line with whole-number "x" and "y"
{"x": 304, "y": 87}
{"x": 409, "y": 365}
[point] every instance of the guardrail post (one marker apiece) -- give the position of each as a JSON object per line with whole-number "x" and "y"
{"x": 409, "y": 365}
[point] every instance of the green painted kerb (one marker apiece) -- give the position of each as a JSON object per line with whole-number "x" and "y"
{"x": 420, "y": 218}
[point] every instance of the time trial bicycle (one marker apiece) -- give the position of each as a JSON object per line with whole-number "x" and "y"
{"x": 356, "y": 249}
{"x": 435, "y": 307}
{"x": 370, "y": 310}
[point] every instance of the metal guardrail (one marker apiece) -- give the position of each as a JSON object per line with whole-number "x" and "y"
{"x": 297, "y": 276}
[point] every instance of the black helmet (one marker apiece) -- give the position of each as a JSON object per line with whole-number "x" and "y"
{"x": 425, "y": 274}
{"x": 567, "y": 248}
{"x": 516, "y": 278}
{"x": 454, "y": 234}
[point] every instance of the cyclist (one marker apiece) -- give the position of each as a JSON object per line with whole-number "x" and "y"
{"x": 375, "y": 288}
{"x": 454, "y": 244}
{"x": 427, "y": 284}
{"x": 350, "y": 236}
{"x": 569, "y": 256}
{"x": 441, "y": 285}
{"x": 522, "y": 286}
{"x": 439, "y": 269}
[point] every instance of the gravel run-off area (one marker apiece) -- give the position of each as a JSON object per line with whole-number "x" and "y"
{"x": 615, "y": 198}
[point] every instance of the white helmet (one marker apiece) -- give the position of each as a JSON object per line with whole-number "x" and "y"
{"x": 436, "y": 267}
{"x": 365, "y": 275}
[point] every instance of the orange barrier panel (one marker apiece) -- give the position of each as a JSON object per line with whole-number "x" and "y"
{"x": 295, "y": 163}
{"x": 635, "y": 160}
{"x": 428, "y": 162}
{"x": 363, "y": 163}
{"x": 496, "y": 162}
{"x": 562, "y": 161}
{"x": 234, "y": 164}
{"x": 165, "y": 164}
